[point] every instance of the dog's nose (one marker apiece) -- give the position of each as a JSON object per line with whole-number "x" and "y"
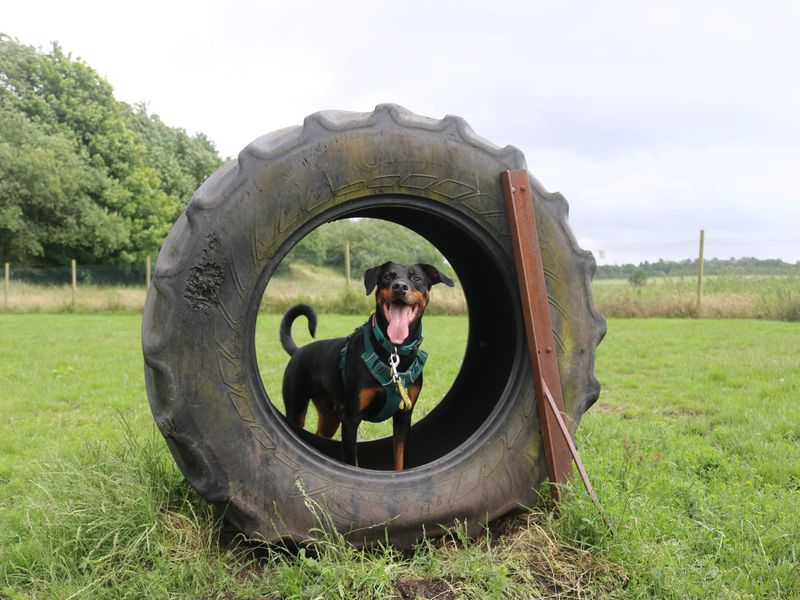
{"x": 399, "y": 286}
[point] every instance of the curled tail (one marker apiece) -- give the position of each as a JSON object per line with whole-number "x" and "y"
{"x": 286, "y": 325}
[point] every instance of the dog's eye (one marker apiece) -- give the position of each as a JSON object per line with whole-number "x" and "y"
{"x": 416, "y": 278}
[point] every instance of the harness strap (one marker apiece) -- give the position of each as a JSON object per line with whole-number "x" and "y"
{"x": 383, "y": 374}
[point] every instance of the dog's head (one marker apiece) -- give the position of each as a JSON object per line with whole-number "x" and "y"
{"x": 402, "y": 295}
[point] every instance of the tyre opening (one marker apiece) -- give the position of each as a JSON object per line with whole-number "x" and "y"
{"x": 313, "y": 273}
{"x": 466, "y": 374}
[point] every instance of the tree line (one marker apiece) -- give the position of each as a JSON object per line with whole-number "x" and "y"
{"x": 371, "y": 242}
{"x": 688, "y": 268}
{"x": 83, "y": 175}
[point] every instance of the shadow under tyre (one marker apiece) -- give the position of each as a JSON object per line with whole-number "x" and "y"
{"x": 478, "y": 455}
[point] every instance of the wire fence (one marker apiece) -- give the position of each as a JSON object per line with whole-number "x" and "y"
{"x": 128, "y": 275}
{"x": 737, "y": 281}
{"x": 76, "y": 286}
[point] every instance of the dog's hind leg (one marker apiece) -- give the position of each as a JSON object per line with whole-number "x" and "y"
{"x": 328, "y": 418}
{"x": 295, "y": 397}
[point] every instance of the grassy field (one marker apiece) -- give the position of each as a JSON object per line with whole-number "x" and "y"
{"x": 725, "y": 296}
{"x": 694, "y": 449}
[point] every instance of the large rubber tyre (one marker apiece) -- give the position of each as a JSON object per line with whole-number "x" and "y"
{"x": 478, "y": 455}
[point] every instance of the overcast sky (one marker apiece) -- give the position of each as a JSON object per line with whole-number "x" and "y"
{"x": 654, "y": 119}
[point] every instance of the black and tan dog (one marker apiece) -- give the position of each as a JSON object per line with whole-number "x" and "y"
{"x": 373, "y": 374}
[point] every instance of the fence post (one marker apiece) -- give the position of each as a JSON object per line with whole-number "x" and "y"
{"x": 6, "y": 270}
{"x": 700, "y": 270}
{"x": 74, "y": 268}
{"x": 147, "y": 273}
{"x": 347, "y": 263}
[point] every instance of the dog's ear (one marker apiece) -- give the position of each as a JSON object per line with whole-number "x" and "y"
{"x": 436, "y": 276}
{"x": 371, "y": 277}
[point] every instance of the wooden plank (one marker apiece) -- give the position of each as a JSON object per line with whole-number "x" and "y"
{"x": 538, "y": 323}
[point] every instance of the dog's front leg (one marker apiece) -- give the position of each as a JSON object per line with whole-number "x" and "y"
{"x": 401, "y": 425}
{"x": 349, "y": 432}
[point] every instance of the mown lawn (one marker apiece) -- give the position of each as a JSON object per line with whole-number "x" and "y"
{"x": 694, "y": 448}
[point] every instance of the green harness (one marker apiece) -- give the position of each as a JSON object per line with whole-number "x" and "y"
{"x": 383, "y": 372}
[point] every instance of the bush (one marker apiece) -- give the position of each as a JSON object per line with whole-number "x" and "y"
{"x": 638, "y": 278}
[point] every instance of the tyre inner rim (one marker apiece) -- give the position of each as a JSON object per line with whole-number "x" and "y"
{"x": 485, "y": 383}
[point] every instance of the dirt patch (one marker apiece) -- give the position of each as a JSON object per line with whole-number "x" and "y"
{"x": 232, "y": 596}
{"x": 424, "y": 588}
{"x": 607, "y": 409}
{"x": 682, "y": 411}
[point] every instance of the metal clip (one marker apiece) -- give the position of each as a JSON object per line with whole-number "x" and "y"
{"x": 394, "y": 360}
{"x": 405, "y": 400}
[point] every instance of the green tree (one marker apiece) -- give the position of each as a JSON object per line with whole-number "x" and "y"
{"x": 182, "y": 161}
{"x": 46, "y": 191}
{"x": 372, "y": 242}
{"x": 68, "y": 97}
{"x": 136, "y": 173}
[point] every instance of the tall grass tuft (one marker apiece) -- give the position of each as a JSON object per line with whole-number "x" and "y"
{"x": 115, "y": 521}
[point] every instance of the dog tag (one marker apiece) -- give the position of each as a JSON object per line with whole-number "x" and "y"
{"x": 405, "y": 403}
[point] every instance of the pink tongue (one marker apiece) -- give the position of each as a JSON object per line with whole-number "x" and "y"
{"x": 398, "y": 323}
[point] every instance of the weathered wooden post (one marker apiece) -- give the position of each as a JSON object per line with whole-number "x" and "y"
{"x": 147, "y": 272}
{"x": 700, "y": 270}
{"x": 74, "y": 269}
{"x": 6, "y": 270}
{"x": 347, "y": 263}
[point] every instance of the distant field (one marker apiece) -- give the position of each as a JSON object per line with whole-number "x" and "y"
{"x": 694, "y": 449}
{"x": 322, "y": 287}
{"x": 27, "y": 297}
{"x": 725, "y": 296}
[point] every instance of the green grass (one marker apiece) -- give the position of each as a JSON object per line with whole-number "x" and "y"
{"x": 694, "y": 449}
{"x": 65, "y": 380}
